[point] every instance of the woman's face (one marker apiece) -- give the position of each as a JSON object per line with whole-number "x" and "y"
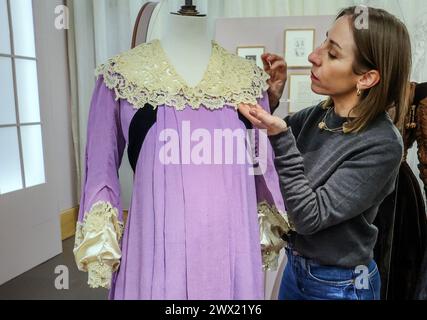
{"x": 332, "y": 72}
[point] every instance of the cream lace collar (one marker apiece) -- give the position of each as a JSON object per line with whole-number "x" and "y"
{"x": 144, "y": 75}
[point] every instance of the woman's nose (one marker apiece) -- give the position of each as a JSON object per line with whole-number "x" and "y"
{"x": 314, "y": 57}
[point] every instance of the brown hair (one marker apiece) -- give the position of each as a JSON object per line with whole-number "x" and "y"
{"x": 383, "y": 46}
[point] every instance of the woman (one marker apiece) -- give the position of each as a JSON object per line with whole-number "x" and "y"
{"x": 337, "y": 161}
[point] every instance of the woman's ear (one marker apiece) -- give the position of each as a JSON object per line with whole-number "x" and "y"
{"x": 368, "y": 80}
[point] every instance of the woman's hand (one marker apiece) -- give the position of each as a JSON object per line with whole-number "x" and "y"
{"x": 276, "y": 67}
{"x": 263, "y": 120}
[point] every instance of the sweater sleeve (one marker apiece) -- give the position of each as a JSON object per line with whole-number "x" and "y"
{"x": 358, "y": 183}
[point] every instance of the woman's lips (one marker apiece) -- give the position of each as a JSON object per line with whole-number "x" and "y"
{"x": 313, "y": 77}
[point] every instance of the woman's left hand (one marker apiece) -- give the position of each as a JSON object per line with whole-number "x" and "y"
{"x": 263, "y": 120}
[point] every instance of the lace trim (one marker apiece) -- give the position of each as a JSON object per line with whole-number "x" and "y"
{"x": 144, "y": 75}
{"x": 99, "y": 215}
{"x": 273, "y": 225}
{"x": 99, "y": 275}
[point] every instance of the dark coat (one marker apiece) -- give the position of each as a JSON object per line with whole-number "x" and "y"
{"x": 402, "y": 240}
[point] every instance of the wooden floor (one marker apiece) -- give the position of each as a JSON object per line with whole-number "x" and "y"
{"x": 39, "y": 283}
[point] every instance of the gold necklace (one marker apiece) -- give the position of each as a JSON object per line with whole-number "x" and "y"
{"x": 324, "y": 126}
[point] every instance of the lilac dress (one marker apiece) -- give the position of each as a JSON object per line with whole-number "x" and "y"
{"x": 193, "y": 227}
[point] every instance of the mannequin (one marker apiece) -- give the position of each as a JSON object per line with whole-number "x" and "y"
{"x": 187, "y": 42}
{"x": 192, "y": 231}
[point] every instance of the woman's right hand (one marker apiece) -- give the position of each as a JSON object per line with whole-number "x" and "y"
{"x": 276, "y": 68}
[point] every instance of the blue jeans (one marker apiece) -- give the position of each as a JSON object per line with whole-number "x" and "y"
{"x": 303, "y": 279}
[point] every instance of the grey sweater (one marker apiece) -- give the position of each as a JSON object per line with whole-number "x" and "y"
{"x": 333, "y": 184}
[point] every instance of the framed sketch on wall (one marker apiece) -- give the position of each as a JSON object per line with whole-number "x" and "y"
{"x": 300, "y": 94}
{"x": 299, "y": 43}
{"x": 253, "y": 53}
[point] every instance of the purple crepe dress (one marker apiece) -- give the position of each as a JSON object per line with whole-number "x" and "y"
{"x": 192, "y": 230}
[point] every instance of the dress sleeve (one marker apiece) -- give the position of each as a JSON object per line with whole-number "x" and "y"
{"x": 100, "y": 227}
{"x": 272, "y": 217}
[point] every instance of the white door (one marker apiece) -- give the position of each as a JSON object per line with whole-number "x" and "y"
{"x": 29, "y": 218}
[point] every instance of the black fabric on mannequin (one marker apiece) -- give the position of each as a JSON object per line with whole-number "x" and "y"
{"x": 141, "y": 123}
{"x": 420, "y": 93}
{"x": 402, "y": 224}
{"x": 420, "y": 99}
{"x": 421, "y": 291}
{"x": 402, "y": 238}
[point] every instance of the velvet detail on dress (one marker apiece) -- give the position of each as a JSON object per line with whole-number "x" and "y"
{"x": 141, "y": 123}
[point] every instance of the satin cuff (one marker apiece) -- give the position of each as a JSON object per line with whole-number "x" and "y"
{"x": 97, "y": 250}
{"x": 273, "y": 224}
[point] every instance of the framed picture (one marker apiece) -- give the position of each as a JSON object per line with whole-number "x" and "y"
{"x": 300, "y": 94}
{"x": 253, "y": 53}
{"x": 299, "y": 43}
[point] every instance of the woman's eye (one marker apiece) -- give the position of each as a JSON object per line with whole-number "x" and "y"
{"x": 331, "y": 56}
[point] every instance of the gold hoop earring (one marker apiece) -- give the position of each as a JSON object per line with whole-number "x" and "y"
{"x": 359, "y": 92}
